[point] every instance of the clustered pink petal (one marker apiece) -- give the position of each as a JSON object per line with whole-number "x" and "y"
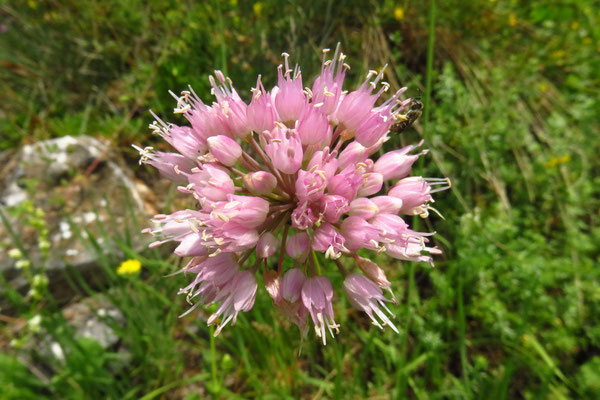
{"x": 284, "y": 148}
{"x": 294, "y": 173}
{"x": 290, "y": 98}
{"x": 317, "y": 295}
{"x": 366, "y": 296}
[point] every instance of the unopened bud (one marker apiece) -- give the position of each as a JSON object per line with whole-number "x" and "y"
{"x": 224, "y": 149}
{"x": 260, "y": 183}
{"x": 291, "y": 285}
{"x": 272, "y": 281}
{"x": 388, "y": 204}
{"x": 373, "y": 183}
{"x": 363, "y": 207}
{"x": 298, "y": 246}
{"x": 266, "y": 246}
{"x": 397, "y": 164}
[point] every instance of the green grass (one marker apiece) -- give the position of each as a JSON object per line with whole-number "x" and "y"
{"x": 511, "y": 95}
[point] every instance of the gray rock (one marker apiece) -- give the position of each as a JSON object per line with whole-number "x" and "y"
{"x": 91, "y": 318}
{"x": 82, "y": 187}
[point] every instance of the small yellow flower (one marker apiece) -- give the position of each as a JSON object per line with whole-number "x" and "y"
{"x": 543, "y": 87}
{"x": 399, "y": 13}
{"x": 512, "y": 19}
{"x": 554, "y": 161}
{"x": 257, "y": 8}
{"x": 565, "y": 159}
{"x": 587, "y": 40}
{"x": 551, "y": 163}
{"x": 558, "y": 54}
{"x": 32, "y": 4}
{"x": 575, "y": 25}
{"x": 129, "y": 267}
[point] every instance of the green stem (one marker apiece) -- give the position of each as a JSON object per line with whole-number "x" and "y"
{"x": 213, "y": 358}
{"x": 429, "y": 71}
{"x": 462, "y": 323}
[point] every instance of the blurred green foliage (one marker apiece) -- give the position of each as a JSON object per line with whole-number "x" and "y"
{"x": 511, "y": 309}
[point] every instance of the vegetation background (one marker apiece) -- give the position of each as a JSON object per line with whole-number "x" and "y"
{"x": 511, "y": 310}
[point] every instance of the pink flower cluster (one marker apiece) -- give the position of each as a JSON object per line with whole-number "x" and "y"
{"x": 292, "y": 172}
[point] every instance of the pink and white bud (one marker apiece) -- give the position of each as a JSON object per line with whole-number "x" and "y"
{"x": 260, "y": 183}
{"x": 326, "y": 239}
{"x": 332, "y": 207}
{"x": 226, "y": 150}
{"x": 313, "y": 125}
{"x": 284, "y": 149}
{"x": 396, "y": 164}
{"x": 367, "y": 296}
{"x": 363, "y": 207}
{"x": 353, "y": 153}
{"x": 290, "y": 97}
{"x": 317, "y": 295}
{"x": 298, "y": 246}
{"x": 261, "y": 112}
{"x": 360, "y": 234}
{"x": 267, "y": 245}
{"x": 291, "y": 285}
{"x": 387, "y": 204}
{"x": 372, "y": 183}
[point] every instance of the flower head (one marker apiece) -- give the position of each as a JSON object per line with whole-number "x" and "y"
{"x": 293, "y": 173}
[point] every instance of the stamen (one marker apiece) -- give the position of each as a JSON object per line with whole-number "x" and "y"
{"x": 215, "y": 253}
